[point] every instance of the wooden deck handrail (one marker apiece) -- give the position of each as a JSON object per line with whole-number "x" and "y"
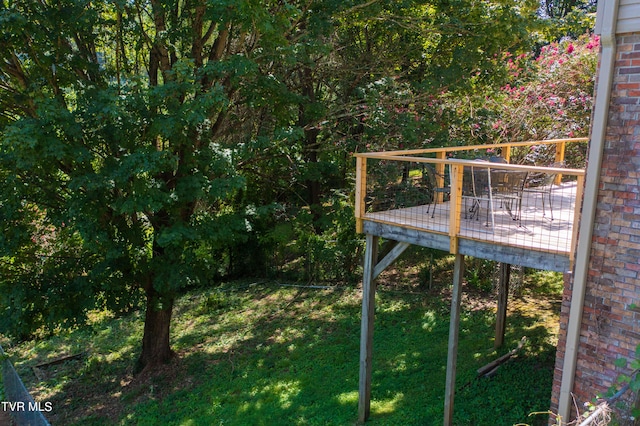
{"x": 479, "y": 164}
{"x": 446, "y": 149}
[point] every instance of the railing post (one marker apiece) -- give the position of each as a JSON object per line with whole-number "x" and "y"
{"x": 506, "y": 152}
{"x": 440, "y": 170}
{"x": 560, "y": 147}
{"x": 576, "y": 219}
{"x": 361, "y": 192}
{"x": 455, "y": 206}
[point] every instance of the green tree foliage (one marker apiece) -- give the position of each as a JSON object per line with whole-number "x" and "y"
{"x": 372, "y": 78}
{"x": 123, "y": 131}
{"x": 566, "y": 18}
{"x": 397, "y": 58}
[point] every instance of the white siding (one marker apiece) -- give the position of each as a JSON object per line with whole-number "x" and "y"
{"x": 628, "y": 17}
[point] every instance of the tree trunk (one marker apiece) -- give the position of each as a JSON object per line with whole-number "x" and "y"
{"x": 313, "y": 184}
{"x": 155, "y": 341}
{"x": 311, "y": 144}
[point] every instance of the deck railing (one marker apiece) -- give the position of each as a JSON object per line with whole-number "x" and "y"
{"x": 431, "y": 191}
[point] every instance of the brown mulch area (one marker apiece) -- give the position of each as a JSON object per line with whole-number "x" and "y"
{"x": 110, "y": 406}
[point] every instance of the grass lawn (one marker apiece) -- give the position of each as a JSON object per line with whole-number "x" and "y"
{"x": 268, "y": 354}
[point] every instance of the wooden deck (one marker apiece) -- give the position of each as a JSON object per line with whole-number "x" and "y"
{"x": 534, "y": 239}
{"x": 548, "y": 243}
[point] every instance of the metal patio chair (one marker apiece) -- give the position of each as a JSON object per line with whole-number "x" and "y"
{"x": 432, "y": 177}
{"x": 507, "y": 186}
{"x": 544, "y": 187}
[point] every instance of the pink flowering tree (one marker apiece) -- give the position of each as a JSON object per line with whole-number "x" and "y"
{"x": 548, "y": 95}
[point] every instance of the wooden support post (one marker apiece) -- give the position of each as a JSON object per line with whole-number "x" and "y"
{"x": 454, "y": 326}
{"x": 366, "y": 330}
{"x": 503, "y": 295}
{"x": 361, "y": 191}
{"x": 393, "y": 254}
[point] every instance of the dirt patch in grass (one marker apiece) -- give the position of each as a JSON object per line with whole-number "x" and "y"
{"x": 405, "y": 279}
{"x": 107, "y": 402}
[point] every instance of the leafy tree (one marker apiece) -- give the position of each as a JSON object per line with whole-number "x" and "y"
{"x": 562, "y": 8}
{"x": 566, "y": 18}
{"x": 122, "y": 128}
{"x": 547, "y": 96}
{"x": 373, "y": 76}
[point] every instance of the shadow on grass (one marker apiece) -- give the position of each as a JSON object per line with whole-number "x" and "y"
{"x": 284, "y": 356}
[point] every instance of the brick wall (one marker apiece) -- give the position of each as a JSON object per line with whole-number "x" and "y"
{"x": 610, "y": 329}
